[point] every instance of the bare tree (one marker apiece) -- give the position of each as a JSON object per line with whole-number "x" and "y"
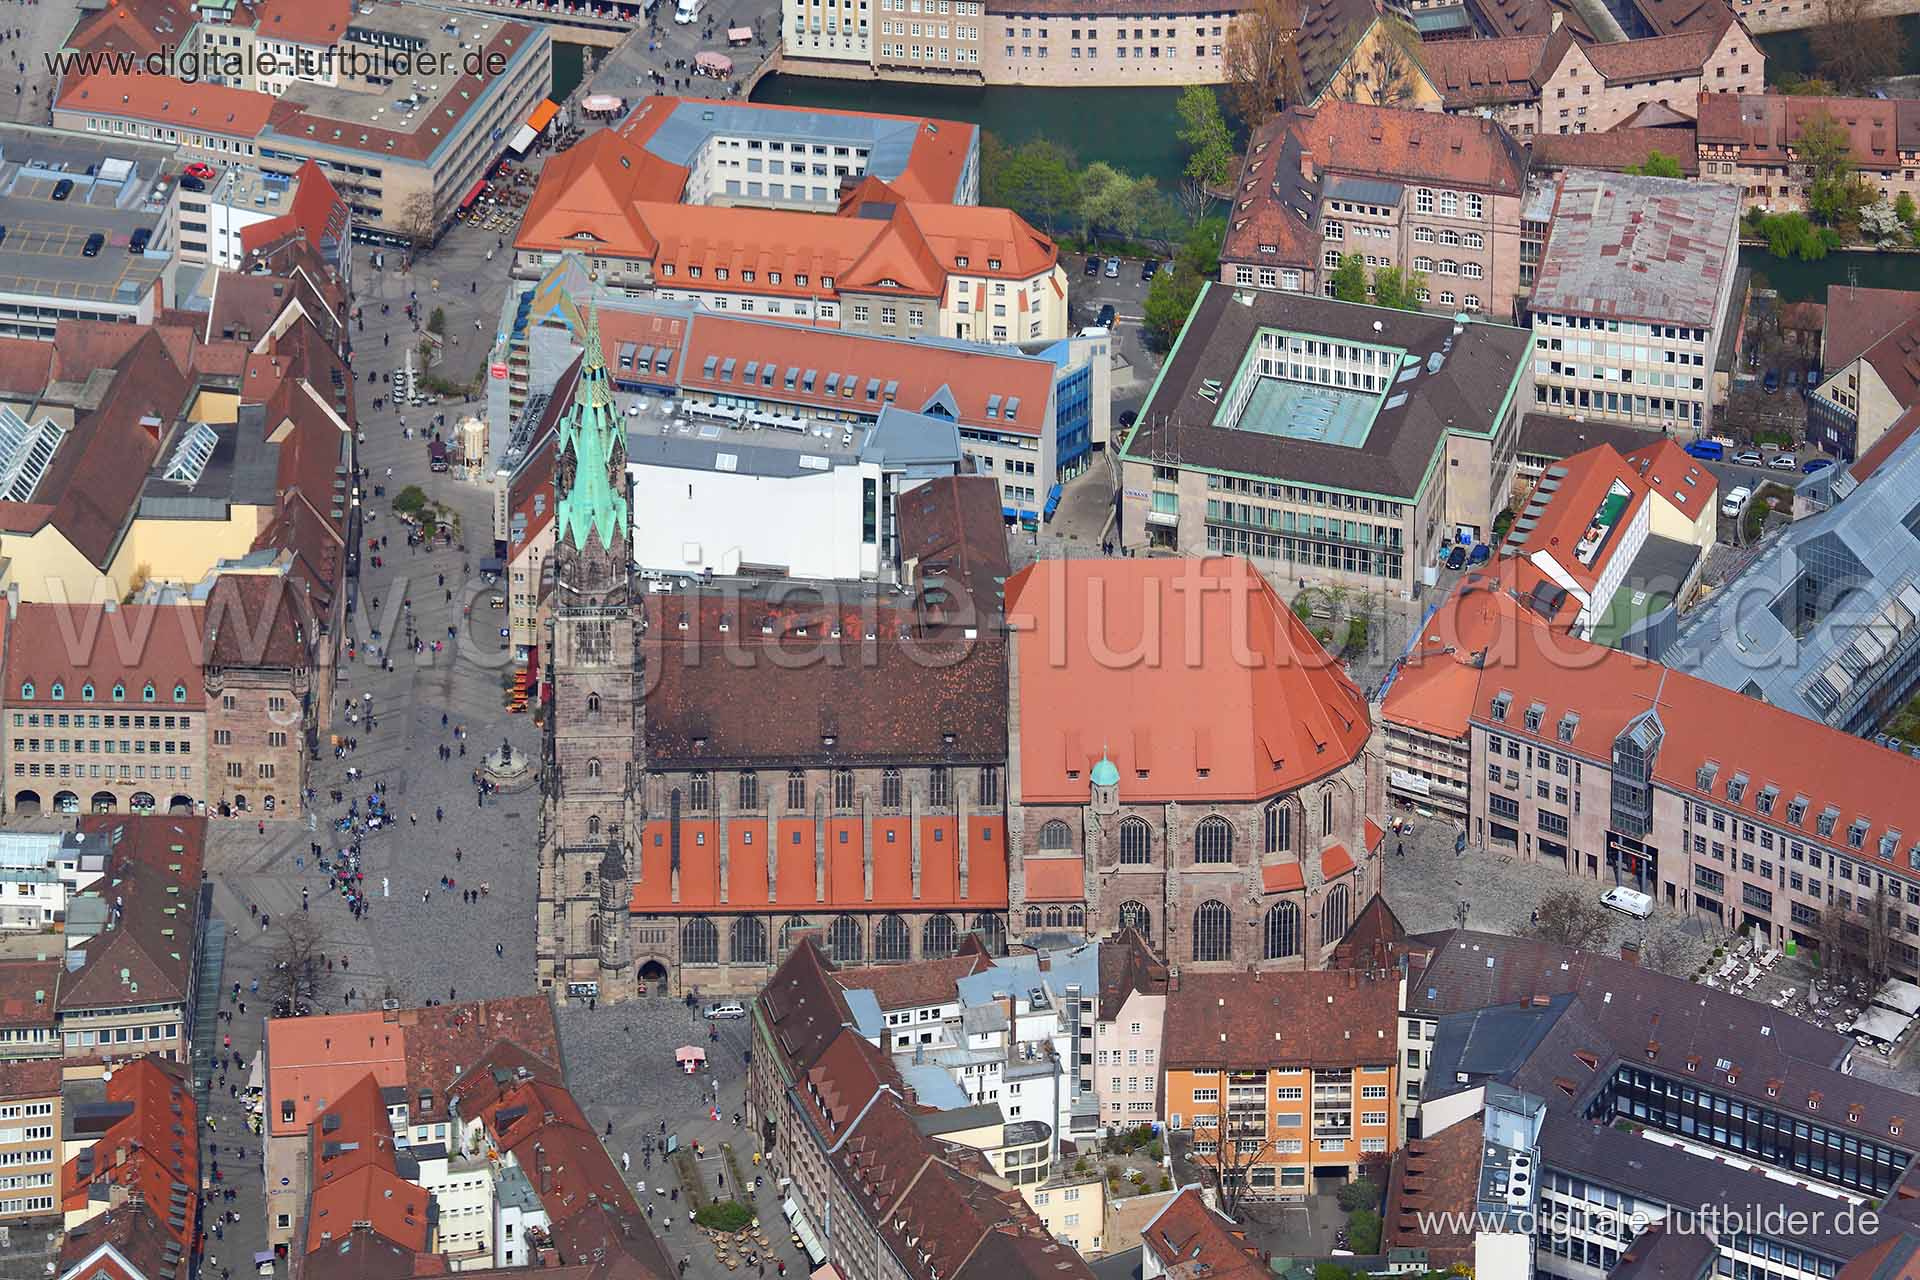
{"x": 1262, "y": 60}
{"x": 1856, "y": 44}
{"x": 1665, "y": 952}
{"x": 417, "y": 220}
{"x": 299, "y": 966}
{"x": 1855, "y": 944}
{"x": 1224, "y": 1151}
{"x": 1387, "y": 72}
{"x": 1567, "y": 917}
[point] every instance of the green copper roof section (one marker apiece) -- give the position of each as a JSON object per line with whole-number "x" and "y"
{"x": 594, "y": 504}
{"x": 1105, "y": 773}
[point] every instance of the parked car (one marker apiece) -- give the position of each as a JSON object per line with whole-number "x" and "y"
{"x": 1735, "y": 501}
{"x": 1457, "y": 558}
{"x": 1771, "y": 382}
{"x": 1093, "y": 264}
{"x": 1480, "y": 554}
{"x": 190, "y": 183}
{"x": 727, "y": 1011}
{"x": 63, "y": 188}
{"x": 200, "y": 169}
{"x": 1793, "y": 377}
{"x": 1708, "y": 450}
{"x": 1113, "y": 269}
{"x": 137, "y": 242}
{"x": 1105, "y": 320}
{"x": 1749, "y": 458}
{"x": 93, "y": 245}
{"x": 1783, "y": 462}
{"x": 1148, "y": 269}
{"x": 1816, "y": 464}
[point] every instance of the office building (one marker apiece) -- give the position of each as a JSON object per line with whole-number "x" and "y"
{"x": 405, "y": 156}
{"x": 30, "y": 1117}
{"x": 1634, "y": 334}
{"x": 1327, "y": 441}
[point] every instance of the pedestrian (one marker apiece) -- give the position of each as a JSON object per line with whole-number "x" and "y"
{"x": 500, "y": 949}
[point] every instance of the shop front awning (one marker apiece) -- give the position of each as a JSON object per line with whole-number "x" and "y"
{"x": 522, "y": 140}
{"x": 543, "y": 114}
{"x": 804, "y": 1229}
{"x": 467, "y": 200}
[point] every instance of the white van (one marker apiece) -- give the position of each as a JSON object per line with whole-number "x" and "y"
{"x": 687, "y": 11}
{"x": 1736, "y": 501}
{"x": 1628, "y": 902}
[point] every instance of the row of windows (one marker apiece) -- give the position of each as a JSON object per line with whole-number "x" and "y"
{"x": 700, "y": 789}
{"x": 1281, "y": 933}
{"x": 59, "y": 692}
{"x": 845, "y": 938}
{"x": 93, "y": 720}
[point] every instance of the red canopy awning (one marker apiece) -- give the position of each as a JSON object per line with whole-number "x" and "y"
{"x": 474, "y": 194}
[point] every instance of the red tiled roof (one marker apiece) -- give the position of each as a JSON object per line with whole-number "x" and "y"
{"x": 312, "y": 1061}
{"x": 1667, "y": 57}
{"x": 1276, "y": 1021}
{"x": 155, "y": 863}
{"x": 321, "y": 22}
{"x": 153, "y": 1151}
{"x": 1282, "y": 877}
{"x": 318, "y": 213}
{"x": 1615, "y": 148}
{"x": 1666, "y": 469}
{"x": 1703, "y": 722}
{"x": 1192, "y": 675}
{"x": 901, "y": 986}
{"x": 1588, "y": 481}
{"x": 132, "y": 645}
{"x": 1506, "y": 69}
{"x": 974, "y": 376}
{"x": 1436, "y": 1176}
{"x": 356, "y": 1184}
{"x": 1762, "y": 129}
{"x": 211, "y": 108}
{"x": 1335, "y": 861}
{"x": 1189, "y": 1240}
{"x": 1056, "y": 879}
{"x": 27, "y": 992}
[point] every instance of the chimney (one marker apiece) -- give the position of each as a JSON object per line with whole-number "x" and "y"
{"x": 546, "y": 1170}
{"x": 1306, "y": 163}
{"x": 1630, "y": 952}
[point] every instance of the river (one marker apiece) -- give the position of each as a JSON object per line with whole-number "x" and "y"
{"x": 1131, "y": 129}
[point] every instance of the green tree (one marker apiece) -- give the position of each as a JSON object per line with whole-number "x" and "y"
{"x": 1113, "y": 200}
{"x": 1363, "y": 1232}
{"x": 1036, "y": 180}
{"x": 1204, "y": 130}
{"x": 1170, "y": 299}
{"x": 1824, "y": 156}
{"x": 1201, "y": 248}
{"x": 1856, "y": 44}
{"x": 1903, "y": 209}
{"x": 1658, "y": 164}
{"x": 437, "y": 322}
{"x": 1393, "y": 287}
{"x": 1350, "y": 279}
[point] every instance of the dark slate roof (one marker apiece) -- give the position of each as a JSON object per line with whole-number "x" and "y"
{"x": 764, "y": 681}
{"x": 1464, "y": 395}
{"x": 1555, "y": 437}
{"x": 1660, "y": 1254}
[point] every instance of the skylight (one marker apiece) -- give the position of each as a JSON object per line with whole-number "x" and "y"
{"x": 25, "y": 452}
{"x": 191, "y": 455}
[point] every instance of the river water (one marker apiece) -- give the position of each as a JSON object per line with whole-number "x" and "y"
{"x": 1131, "y": 129}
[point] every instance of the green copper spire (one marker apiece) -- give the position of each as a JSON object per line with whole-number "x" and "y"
{"x": 597, "y": 500}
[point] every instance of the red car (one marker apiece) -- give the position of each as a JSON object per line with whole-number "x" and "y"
{"x": 200, "y": 169}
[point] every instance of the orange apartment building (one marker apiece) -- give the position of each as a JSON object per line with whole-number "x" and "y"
{"x": 1299, "y": 1069}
